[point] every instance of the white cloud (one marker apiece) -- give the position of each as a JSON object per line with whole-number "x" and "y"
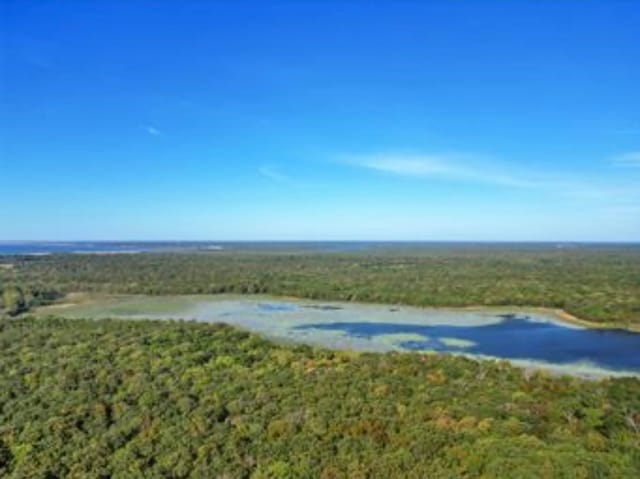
{"x": 470, "y": 168}
{"x": 273, "y": 175}
{"x": 410, "y": 165}
{"x": 152, "y": 131}
{"x": 631, "y": 159}
{"x": 457, "y": 167}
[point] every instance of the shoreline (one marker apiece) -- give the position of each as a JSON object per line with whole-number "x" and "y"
{"x": 166, "y": 307}
{"x": 561, "y": 314}
{"x": 79, "y": 298}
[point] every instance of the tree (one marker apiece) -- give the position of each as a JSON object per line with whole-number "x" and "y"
{"x": 6, "y": 458}
{"x": 13, "y": 300}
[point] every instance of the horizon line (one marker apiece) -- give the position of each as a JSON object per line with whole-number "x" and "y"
{"x": 54, "y": 241}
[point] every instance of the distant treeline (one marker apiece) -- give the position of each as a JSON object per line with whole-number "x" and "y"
{"x": 84, "y": 398}
{"x": 599, "y": 284}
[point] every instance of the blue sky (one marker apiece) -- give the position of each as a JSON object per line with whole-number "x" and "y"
{"x": 444, "y": 120}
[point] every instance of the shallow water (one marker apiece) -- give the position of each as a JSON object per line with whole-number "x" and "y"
{"x": 524, "y": 338}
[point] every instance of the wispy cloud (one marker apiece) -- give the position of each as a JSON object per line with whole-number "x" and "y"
{"x": 470, "y": 168}
{"x": 627, "y": 130}
{"x": 273, "y": 175}
{"x": 411, "y": 165}
{"x": 152, "y": 130}
{"x": 457, "y": 166}
{"x": 631, "y": 159}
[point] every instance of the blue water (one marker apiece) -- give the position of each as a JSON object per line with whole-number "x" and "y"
{"x": 38, "y": 247}
{"x": 516, "y": 337}
{"x": 56, "y": 247}
{"x": 273, "y": 307}
{"x": 59, "y": 247}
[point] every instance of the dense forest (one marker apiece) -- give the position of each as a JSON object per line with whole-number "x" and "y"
{"x": 83, "y": 398}
{"x": 601, "y": 284}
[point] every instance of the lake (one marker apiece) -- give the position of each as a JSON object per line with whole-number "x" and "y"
{"x": 102, "y": 247}
{"x": 526, "y": 338}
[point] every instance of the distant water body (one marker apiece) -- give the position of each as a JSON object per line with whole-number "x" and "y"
{"x": 114, "y": 247}
{"x": 122, "y": 247}
{"x": 100, "y": 247}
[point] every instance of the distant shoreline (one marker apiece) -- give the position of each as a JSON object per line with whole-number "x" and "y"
{"x": 33, "y": 248}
